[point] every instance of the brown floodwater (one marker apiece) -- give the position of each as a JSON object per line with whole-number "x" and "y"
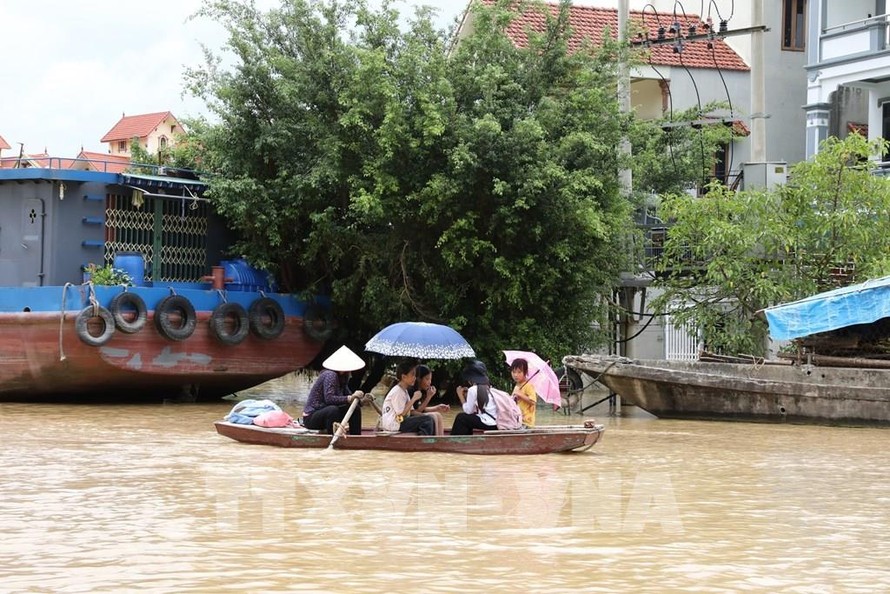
{"x": 149, "y": 497}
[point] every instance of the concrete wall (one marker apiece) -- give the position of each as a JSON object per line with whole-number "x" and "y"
{"x": 838, "y": 13}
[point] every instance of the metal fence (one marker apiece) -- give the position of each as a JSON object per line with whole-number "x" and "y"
{"x": 171, "y": 235}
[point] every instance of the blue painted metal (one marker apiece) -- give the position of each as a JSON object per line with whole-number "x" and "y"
{"x": 76, "y": 297}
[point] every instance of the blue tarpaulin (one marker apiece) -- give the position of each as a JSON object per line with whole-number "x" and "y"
{"x": 857, "y": 304}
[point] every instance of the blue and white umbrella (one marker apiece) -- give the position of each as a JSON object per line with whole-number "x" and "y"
{"x": 422, "y": 340}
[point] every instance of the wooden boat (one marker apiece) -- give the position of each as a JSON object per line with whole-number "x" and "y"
{"x": 814, "y": 385}
{"x": 776, "y": 392}
{"x": 185, "y": 328}
{"x": 539, "y": 440}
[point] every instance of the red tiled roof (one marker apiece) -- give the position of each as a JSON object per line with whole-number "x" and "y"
{"x": 588, "y": 24}
{"x": 101, "y": 162}
{"x": 137, "y": 126}
{"x": 3, "y": 144}
{"x": 41, "y": 160}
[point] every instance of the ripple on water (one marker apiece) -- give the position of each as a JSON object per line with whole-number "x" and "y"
{"x": 149, "y": 497}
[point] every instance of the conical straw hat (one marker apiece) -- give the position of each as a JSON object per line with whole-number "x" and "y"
{"x": 343, "y": 359}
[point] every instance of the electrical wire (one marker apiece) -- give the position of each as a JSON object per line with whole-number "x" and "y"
{"x": 655, "y": 12}
{"x": 731, "y": 111}
{"x": 682, "y": 9}
{"x": 701, "y": 140}
{"x": 667, "y": 86}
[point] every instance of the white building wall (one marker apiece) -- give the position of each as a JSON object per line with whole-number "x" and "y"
{"x": 785, "y": 77}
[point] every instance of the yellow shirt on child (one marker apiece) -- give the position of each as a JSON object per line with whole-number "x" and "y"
{"x": 527, "y": 409}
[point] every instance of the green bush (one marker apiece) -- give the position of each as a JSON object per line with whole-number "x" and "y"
{"x": 108, "y": 275}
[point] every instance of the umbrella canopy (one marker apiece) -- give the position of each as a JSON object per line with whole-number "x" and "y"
{"x": 422, "y": 340}
{"x": 540, "y": 375}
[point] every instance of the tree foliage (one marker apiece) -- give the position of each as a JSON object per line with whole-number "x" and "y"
{"x": 471, "y": 184}
{"x": 730, "y": 254}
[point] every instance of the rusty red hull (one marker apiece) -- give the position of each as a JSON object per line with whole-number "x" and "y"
{"x": 41, "y": 357}
{"x": 540, "y": 440}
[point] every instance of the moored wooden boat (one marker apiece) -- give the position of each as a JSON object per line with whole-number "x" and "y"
{"x": 813, "y": 385}
{"x": 539, "y": 440}
{"x": 745, "y": 391}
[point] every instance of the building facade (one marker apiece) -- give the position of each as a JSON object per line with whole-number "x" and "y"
{"x": 153, "y": 131}
{"x": 848, "y": 70}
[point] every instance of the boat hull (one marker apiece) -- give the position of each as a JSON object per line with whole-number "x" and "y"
{"x": 745, "y": 392}
{"x": 43, "y": 357}
{"x": 544, "y": 440}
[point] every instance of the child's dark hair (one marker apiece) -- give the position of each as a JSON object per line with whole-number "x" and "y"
{"x": 404, "y": 368}
{"x": 520, "y": 364}
{"x": 423, "y": 371}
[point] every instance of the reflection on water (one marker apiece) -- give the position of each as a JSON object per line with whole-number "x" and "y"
{"x": 99, "y": 499}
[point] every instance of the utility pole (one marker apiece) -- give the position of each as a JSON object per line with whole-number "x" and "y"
{"x": 625, "y": 176}
{"x": 758, "y": 99}
{"x": 758, "y": 172}
{"x": 624, "y": 150}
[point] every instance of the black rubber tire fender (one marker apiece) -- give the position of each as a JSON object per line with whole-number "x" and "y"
{"x": 185, "y": 309}
{"x": 317, "y": 323}
{"x": 81, "y": 325}
{"x": 127, "y": 301}
{"x": 261, "y": 310}
{"x": 219, "y": 327}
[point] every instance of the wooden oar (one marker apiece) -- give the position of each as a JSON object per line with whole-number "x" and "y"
{"x": 373, "y": 402}
{"x": 342, "y": 428}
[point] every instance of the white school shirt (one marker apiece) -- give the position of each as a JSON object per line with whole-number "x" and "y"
{"x": 393, "y": 405}
{"x": 489, "y": 415}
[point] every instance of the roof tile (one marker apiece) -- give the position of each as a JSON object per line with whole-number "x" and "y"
{"x": 101, "y": 162}
{"x": 589, "y": 23}
{"x": 137, "y": 126}
{"x": 4, "y": 144}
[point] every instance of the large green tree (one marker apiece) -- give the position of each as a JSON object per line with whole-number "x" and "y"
{"x": 730, "y": 254}
{"x": 472, "y": 184}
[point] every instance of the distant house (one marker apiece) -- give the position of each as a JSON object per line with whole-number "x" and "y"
{"x": 671, "y": 80}
{"x": 91, "y": 161}
{"x": 153, "y": 131}
{"x": 3, "y": 145}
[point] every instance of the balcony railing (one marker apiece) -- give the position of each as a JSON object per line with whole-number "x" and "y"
{"x": 855, "y": 39}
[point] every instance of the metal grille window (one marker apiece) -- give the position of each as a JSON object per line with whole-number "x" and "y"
{"x": 171, "y": 235}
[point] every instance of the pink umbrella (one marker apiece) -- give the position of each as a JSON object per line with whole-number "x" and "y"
{"x": 540, "y": 374}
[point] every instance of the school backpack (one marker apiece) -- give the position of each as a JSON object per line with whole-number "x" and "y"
{"x": 509, "y": 416}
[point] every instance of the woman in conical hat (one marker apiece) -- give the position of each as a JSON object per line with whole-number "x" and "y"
{"x": 329, "y": 397}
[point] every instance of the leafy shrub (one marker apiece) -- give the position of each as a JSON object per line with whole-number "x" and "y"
{"x": 108, "y": 275}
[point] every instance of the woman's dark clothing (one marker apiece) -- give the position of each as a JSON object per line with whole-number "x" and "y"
{"x": 328, "y": 402}
{"x": 324, "y": 418}
{"x": 464, "y": 423}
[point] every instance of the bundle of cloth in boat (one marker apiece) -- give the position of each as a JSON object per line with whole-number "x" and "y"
{"x": 264, "y": 413}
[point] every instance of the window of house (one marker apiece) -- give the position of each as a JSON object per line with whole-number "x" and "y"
{"x": 162, "y": 142}
{"x": 122, "y": 146}
{"x": 794, "y": 24}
